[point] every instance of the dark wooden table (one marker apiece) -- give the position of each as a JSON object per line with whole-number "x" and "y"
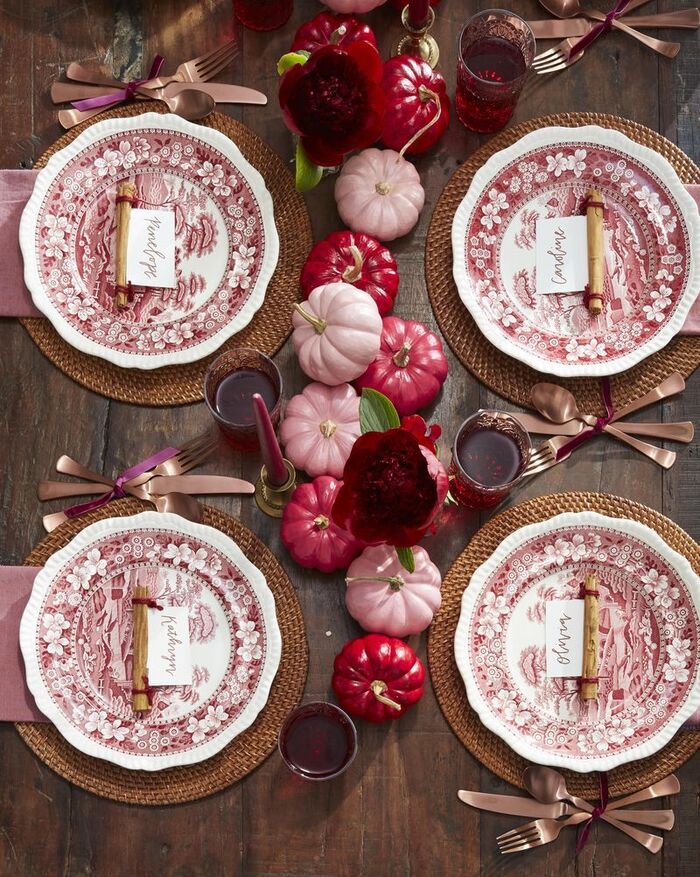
{"x": 395, "y": 812}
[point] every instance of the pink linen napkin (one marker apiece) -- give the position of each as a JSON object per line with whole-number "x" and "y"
{"x": 15, "y": 301}
{"x": 16, "y": 702}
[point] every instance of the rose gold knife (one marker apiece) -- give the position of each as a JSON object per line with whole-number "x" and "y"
{"x": 221, "y": 92}
{"x": 207, "y": 484}
{"x": 681, "y": 431}
{"x": 554, "y": 29}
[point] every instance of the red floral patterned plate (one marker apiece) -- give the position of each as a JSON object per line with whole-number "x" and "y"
{"x": 226, "y": 243}
{"x": 76, "y": 639}
{"x": 649, "y": 631}
{"x": 652, "y": 251}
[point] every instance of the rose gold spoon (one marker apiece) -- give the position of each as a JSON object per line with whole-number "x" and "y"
{"x": 559, "y": 405}
{"x": 190, "y": 104}
{"x": 573, "y": 8}
{"x": 548, "y": 786}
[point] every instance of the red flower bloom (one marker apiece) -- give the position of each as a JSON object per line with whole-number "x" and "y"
{"x": 392, "y": 489}
{"x": 425, "y": 435}
{"x": 334, "y": 101}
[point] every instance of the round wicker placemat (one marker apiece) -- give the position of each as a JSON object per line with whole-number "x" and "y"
{"x": 179, "y": 784}
{"x": 267, "y": 331}
{"x": 485, "y": 746}
{"x": 502, "y": 374}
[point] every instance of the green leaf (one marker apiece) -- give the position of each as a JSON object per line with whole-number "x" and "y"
{"x": 290, "y": 59}
{"x": 377, "y": 413}
{"x": 308, "y": 174}
{"x": 408, "y": 561}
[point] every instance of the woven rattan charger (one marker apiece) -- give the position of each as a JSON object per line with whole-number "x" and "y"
{"x": 502, "y": 374}
{"x": 179, "y": 784}
{"x": 267, "y": 331}
{"x": 485, "y": 746}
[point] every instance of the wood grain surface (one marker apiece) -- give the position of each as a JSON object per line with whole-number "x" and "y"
{"x": 396, "y": 811}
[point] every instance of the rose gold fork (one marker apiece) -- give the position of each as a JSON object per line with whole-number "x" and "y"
{"x": 543, "y": 831}
{"x": 557, "y": 58}
{"x": 200, "y": 69}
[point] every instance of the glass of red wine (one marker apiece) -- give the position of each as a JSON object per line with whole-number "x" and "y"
{"x": 263, "y": 14}
{"x": 489, "y": 457}
{"x": 494, "y": 54}
{"x": 229, "y": 385}
{"x": 318, "y": 741}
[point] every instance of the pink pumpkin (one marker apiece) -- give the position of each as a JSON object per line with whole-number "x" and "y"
{"x": 385, "y": 598}
{"x": 320, "y": 427}
{"x": 379, "y": 193}
{"x": 336, "y": 333}
{"x": 410, "y": 367}
{"x": 353, "y": 5}
{"x": 308, "y": 531}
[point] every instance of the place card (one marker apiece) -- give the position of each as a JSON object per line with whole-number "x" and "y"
{"x": 561, "y": 255}
{"x": 169, "y": 658}
{"x": 564, "y": 637}
{"x": 150, "y": 254}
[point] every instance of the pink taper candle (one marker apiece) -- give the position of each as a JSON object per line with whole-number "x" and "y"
{"x": 277, "y": 473}
{"x": 418, "y": 11}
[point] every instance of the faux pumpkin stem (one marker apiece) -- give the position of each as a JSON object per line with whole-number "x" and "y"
{"x": 327, "y": 428}
{"x": 425, "y": 94}
{"x": 322, "y": 522}
{"x": 353, "y": 272}
{"x": 337, "y": 35}
{"x": 401, "y": 355}
{"x": 396, "y": 582}
{"x": 378, "y": 688}
{"x": 382, "y": 187}
{"x": 318, "y": 324}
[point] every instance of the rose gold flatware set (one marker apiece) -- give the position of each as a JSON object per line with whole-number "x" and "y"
{"x": 553, "y": 808}
{"x": 186, "y": 92}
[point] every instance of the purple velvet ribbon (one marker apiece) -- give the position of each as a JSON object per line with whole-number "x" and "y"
{"x": 126, "y": 93}
{"x": 117, "y": 490}
{"x": 596, "y": 814}
{"x": 599, "y": 29}
{"x": 598, "y": 427}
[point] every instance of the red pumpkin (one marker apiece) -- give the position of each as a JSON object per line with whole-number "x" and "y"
{"x": 353, "y": 258}
{"x": 308, "y": 531}
{"x": 328, "y": 29}
{"x": 410, "y": 367}
{"x": 377, "y": 677}
{"x": 416, "y": 101}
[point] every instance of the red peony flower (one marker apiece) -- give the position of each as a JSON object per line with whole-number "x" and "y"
{"x": 334, "y": 101}
{"x": 392, "y": 489}
{"x": 425, "y": 435}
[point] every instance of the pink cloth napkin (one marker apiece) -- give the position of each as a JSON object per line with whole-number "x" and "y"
{"x": 16, "y": 702}
{"x": 15, "y": 189}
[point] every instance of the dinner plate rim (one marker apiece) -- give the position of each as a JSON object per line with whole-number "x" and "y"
{"x": 158, "y": 521}
{"x": 166, "y": 122}
{"x": 551, "y": 136}
{"x": 523, "y": 534}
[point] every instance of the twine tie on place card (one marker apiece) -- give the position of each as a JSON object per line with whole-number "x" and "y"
{"x": 118, "y": 489}
{"x": 146, "y": 601}
{"x": 598, "y": 427}
{"x": 117, "y": 97}
{"x": 598, "y": 29}
{"x": 148, "y": 689}
{"x": 596, "y": 814}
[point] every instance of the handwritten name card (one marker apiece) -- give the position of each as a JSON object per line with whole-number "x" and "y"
{"x": 169, "y": 659}
{"x": 561, "y": 255}
{"x": 150, "y": 255}
{"x": 563, "y": 625}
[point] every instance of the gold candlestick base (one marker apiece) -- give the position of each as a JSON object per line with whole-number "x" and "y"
{"x": 418, "y": 42}
{"x": 270, "y": 499}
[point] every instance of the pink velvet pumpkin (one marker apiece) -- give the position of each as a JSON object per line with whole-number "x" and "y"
{"x": 385, "y": 598}
{"x": 353, "y": 5}
{"x": 320, "y": 427}
{"x": 336, "y": 333}
{"x": 308, "y": 531}
{"x": 410, "y": 367}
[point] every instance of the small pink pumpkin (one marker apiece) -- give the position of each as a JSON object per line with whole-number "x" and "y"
{"x": 379, "y": 193}
{"x": 308, "y": 531}
{"x": 320, "y": 427}
{"x": 410, "y": 367}
{"x": 385, "y": 598}
{"x": 336, "y": 333}
{"x": 353, "y": 5}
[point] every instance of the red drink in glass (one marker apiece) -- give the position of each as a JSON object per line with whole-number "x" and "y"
{"x": 229, "y": 385}
{"x": 318, "y": 741}
{"x": 495, "y": 51}
{"x": 490, "y": 454}
{"x": 263, "y": 14}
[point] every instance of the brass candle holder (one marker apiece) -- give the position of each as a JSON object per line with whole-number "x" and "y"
{"x": 418, "y": 41}
{"x": 271, "y": 499}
